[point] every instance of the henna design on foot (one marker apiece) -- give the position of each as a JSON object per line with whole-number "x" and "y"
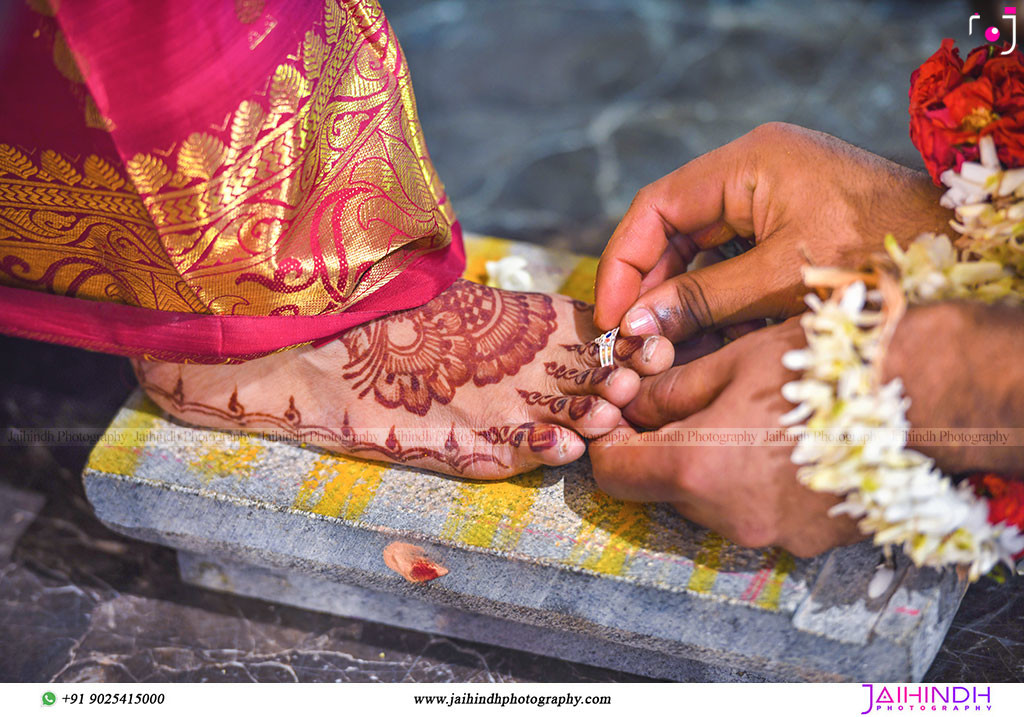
{"x": 394, "y": 452}
{"x": 469, "y": 332}
{"x": 538, "y": 439}
{"x": 577, "y": 406}
{"x": 625, "y": 347}
{"x": 578, "y": 376}
{"x": 291, "y": 422}
{"x": 234, "y": 412}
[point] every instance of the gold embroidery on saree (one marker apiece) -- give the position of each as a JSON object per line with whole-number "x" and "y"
{"x": 310, "y": 198}
{"x": 248, "y": 11}
{"x": 322, "y": 194}
{"x": 69, "y": 230}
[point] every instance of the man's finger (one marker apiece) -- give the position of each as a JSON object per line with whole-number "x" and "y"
{"x": 709, "y": 198}
{"x": 675, "y": 260}
{"x": 753, "y": 285}
{"x": 681, "y": 391}
{"x": 629, "y": 466}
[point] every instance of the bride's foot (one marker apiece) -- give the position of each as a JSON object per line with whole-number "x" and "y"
{"x": 479, "y": 382}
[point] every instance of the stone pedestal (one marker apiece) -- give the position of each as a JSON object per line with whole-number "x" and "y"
{"x": 543, "y": 562}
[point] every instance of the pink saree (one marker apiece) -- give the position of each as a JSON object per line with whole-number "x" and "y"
{"x": 211, "y": 181}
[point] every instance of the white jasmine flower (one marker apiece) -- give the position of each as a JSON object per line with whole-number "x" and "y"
{"x": 930, "y": 270}
{"x": 976, "y": 181}
{"x": 509, "y": 273}
{"x": 853, "y": 443}
{"x": 881, "y": 581}
{"x": 851, "y": 432}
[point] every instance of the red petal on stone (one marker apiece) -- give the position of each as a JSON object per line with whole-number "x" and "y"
{"x": 412, "y": 563}
{"x": 423, "y": 570}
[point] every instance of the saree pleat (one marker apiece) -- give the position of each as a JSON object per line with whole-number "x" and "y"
{"x": 196, "y": 181}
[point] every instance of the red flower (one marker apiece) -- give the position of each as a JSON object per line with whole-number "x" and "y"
{"x": 953, "y": 103}
{"x": 1006, "y": 504}
{"x": 1005, "y": 495}
{"x": 938, "y": 75}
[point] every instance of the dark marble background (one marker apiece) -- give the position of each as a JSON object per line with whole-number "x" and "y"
{"x": 543, "y": 118}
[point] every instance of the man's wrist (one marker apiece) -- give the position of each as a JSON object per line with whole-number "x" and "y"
{"x": 959, "y": 365}
{"x": 921, "y": 211}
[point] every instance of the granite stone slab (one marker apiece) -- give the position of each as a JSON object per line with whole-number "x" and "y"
{"x": 546, "y": 551}
{"x": 312, "y": 593}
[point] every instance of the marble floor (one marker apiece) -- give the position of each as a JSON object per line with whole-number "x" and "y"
{"x": 543, "y": 118}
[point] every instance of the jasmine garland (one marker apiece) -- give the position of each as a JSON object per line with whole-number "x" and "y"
{"x": 897, "y": 494}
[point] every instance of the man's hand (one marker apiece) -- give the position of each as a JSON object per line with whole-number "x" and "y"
{"x": 958, "y": 362}
{"x": 748, "y": 494}
{"x": 805, "y": 197}
{"x": 960, "y": 366}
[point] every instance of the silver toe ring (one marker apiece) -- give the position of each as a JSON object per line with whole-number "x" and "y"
{"x": 605, "y": 347}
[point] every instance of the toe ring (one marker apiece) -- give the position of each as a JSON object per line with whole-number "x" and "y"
{"x": 605, "y": 347}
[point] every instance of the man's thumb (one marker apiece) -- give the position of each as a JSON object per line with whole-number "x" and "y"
{"x": 749, "y": 286}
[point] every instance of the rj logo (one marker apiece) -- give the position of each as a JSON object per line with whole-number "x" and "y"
{"x": 992, "y": 33}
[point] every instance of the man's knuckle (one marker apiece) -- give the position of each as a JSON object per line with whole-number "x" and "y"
{"x": 602, "y": 476}
{"x": 662, "y": 392}
{"x": 693, "y": 307}
{"x": 693, "y": 478}
{"x": 600, "y": 457}
{"x": 771, "y": 131}
{"x": 644, "y": 197}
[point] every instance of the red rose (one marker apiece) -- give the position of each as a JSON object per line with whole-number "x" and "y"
{"x": 1005, "y": 495}
{"x": 967, "y": 101}
{"x": 1007, "y": 77}
{"x": 931, "y": 129}
{"x": 938, "y": 75}
{"x": 953, "y": 103}
{"x": 1005, "y": 73}
{"x": 1007, "y": 502}
{"x": 976, "y": 58}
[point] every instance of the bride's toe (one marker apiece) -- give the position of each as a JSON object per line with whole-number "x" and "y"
{"x": 646, "y": 355}
{"x": 536, "y": 443}
{"x": 614, "y": 384}
{"x": 590, "y": 416}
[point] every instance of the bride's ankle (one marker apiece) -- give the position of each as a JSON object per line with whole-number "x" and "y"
{"x": 196, "y": 392}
